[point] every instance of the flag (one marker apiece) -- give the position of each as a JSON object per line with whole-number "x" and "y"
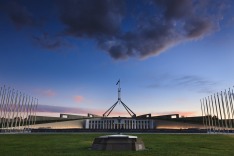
{"x": 117, "y": 82}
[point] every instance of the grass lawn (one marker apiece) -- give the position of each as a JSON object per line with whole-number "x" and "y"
{"x": 79, "y": 144}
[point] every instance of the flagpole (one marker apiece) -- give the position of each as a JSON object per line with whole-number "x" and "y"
{"x": 119, "y": 90}
{"x": 131, "y": 113}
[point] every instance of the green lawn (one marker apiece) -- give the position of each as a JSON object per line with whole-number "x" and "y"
{"x": 79, "y": 144}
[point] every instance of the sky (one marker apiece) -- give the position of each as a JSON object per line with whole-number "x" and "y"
{"x": 168, "y": 54}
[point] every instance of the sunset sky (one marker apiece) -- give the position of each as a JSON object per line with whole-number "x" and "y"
{"x": 69, "y": 54}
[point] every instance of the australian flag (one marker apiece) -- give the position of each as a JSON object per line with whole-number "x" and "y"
{"x": 117, "y": 82}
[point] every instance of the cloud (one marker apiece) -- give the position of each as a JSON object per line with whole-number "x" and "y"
{"x": 48, "y": 93}
{"x": 91, "y": 18}
{"x": 50, "y": 42}
{"x": 192, "y": 80}
{"x": 152, "y": 32}
{"x": 58, "y": 109}
{"x": 78, "y": 98}
{"x": 200, "y": 84}
{"x": 176, "y": 23}
{"x": 19, "y": 15}
{"x": 181, "y": 100}
{"x": 126, "y": 28}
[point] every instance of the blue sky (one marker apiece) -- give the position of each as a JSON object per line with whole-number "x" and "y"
{"x": 70, "y": 54}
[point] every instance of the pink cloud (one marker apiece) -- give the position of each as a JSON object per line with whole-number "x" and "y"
{"x": 48, "y": 93}
{"x": 78, "y": 98}
{"x": 59, "y": 109}
{"x": 181, "y": 100}
{"x": 45, "y": 92}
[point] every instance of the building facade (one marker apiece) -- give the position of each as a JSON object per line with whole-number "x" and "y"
{"x": 119, "y": 123}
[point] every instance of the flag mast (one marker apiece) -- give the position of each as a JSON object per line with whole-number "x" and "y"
{"x": 119, "y": 90}
{"x": 130, "y": 112}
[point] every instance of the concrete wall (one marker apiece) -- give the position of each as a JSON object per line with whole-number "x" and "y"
{"x": 162, "y": 124}
{"x": 44, "y": 118}
{"x": 61, "y": 125}
{"x": 70, "y": 116}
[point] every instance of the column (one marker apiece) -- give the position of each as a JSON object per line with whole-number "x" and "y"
{"x": 111, "y": 124}
{"x": 135, "y": 124}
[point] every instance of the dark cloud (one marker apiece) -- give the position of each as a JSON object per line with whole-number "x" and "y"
{"x": 18, "y": 14}
{"x": 127, "y": 28}
{"x": 50, "y": 42}
{"x": 176, "y": 9}
{"x": 175, "y": 21}
{"x": 91, "y": 18}
{"x": 198, "y": 27}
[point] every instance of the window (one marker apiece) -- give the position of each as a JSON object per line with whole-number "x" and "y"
{"x": 64, "y": 116}
{"x": 173, "y": 117}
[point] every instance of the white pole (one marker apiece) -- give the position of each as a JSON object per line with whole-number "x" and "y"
{"x": 217, "y": 113}
{"x": 21, "y": 111}
{"x": 6, "y": 107}
{"x": 18, "y": 109}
